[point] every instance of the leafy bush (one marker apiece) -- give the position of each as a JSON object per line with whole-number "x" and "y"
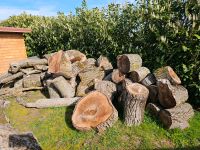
{"x": 162, "y": 32}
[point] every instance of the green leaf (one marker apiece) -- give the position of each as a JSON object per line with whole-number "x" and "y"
{"x": 197, "y": 36}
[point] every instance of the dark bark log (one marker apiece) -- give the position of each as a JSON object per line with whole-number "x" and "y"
{"x": 170, "y": 95}
{"x": 94, "y": 110}
{"x": 128, "y": 62}
{"x": 149, "y": 80}
{"x": 16, "y": 66}
{"x": 139, "y": 74}
{"x": 11, "y": 78}
{"x": 177, "y": 117}
{"x": 153, "y": 93}
{"x": 75, "y": 55}
{"x": 154, "y": 109}
{"x": 167, "y": 73}
{"x": 53, "y": 92}
{"x": 134, "y": 103}
{"x": 104, "y": 63}
{"x": 33, "y": 80}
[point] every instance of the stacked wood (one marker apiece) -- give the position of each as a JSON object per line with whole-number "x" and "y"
{"x": 154, "y": 109}
{"x": 139, "y": 74}
{"x": 104, "y": 63}
{"x": 75, "y": 55}
{"x": 116, "y": 76}
{"x": 33, "y": 80}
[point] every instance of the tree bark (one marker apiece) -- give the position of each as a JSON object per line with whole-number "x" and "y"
{"x": 11, "y": 78}
{"x": 149, "y": 80}
{"x": 170, "y": 95}
{"x": 16, "y": 66}
{"x": 135, "y": 99}
{"x": 153, "y": 93}
{"x": 167, "y": 73}
{"x": 177, "y": 117}
{"x": 29, "y": 71}
{"x": 139, "y": 74}
{"x": 116, "y": 76}
{"x": 154, "y": 109}
{"x": 33, "y": 80}
{"x": 94, "y": 110}
{"x": 128, "y": 62}
{"x": 104, "y": 63}
{"x": 41, "y": 67}
{"x": 47, "y": 103}
{"x": 75, "y": 55}
{"x": 83, "y": 89}
{"x": 53, "y": 92}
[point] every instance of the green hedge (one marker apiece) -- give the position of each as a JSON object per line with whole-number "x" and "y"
{"x": 163, "y": 33}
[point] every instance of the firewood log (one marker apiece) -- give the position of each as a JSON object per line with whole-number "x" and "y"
{"x": 134, "y": 103}
{"x": 153, "y": 93}
{"x": 106, "y": 87}
{"x": 167, "y": 73}
{"x": 32, "y": 81}
{"x": 171, "y": 95}
{"x": 29, "y": 71}
{"x": 83, "y": 89}
{"x": 11, "y": 78}
{"x": 150, "y": 79}
{"x": 139, "y": 74}
{"x": 16, "y": 66}
{"x": 5, "y": 75}
{"x": 176, "y": 117}
{"x": 128, "y": 62}
{"x": 60, "y": 64}
{"x": 116, "y": 76}
{"x": 154, "y": 109}
{"x": 94, "y": 110}
{"x": 76, "y": 55}
{"x": 41, "y": 67}
{"x": 18, "y": 83}
{"x": 91, "y": 61}
{"x": 53, "y": 92}
{"x": 47, "y": 103}
{"x": 104, "y": 63}
{"x": 47, "y": 56}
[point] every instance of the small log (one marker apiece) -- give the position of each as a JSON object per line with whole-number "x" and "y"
{"x": 139, "y": 74}
{"x": 11, "y": 78}
{"x": 65, "y": 89}
{"x": 75, "y": 55}
{"x": 5, "y": 75}
{"x": 47, "y": 103}
{"x": 41, "y": 67}
{"x": 177, "y": 117}
{"x": 134, "y": 103}
{"x": 60, "y": 64}
{"x": 150, "y": 79}
{"x": 29, "y": 71}
{"x": 154, "y": 109}
{"x": 53, "y": 92}
{"x": 153, "y": 93}
{"x": 94, "y": 110}
{"x": 116, "y": 76}
{"x": 16, "y": 66}
{"x": 32, "y": 81}
{"x": 106, "y": 87}
{"x": 167, "y": 73}
{"x": 104, "y": 63}
{"x": 129, "y": 62}
{"x": 170, "y": 95}
{"x": 78, "y": 67}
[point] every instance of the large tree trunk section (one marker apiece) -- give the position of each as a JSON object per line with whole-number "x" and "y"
{"x": 150, "y": 79}
{"x": 154, "y": 109}
{"x": 11, "y": 78}
{"x": 76, "y": 55}
{"x": 139, "y": 74}
{"x": 104, "y": 63}
{"x": 134, "y": 103}
{"x": 153, "y": 93}
{"x": 33, "y": 80}
{"x": 53, "y": 92}
{"x": 47, "y": 103}
{"x": 65, "y": 89}
{"x": 167, "y": 73}
{"x": 94, "y": 110}
{"x": 60, "y": 64}
{"x": 170, "y": 95}
{"x": 129, "y": 62}
{"x": 177, "y": 117}
{"x": 15, "y": 67}
{"x": 106, "y": 87}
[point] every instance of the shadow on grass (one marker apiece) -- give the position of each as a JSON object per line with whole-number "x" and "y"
{"x": 185, "y": 148}
{"x": 68, "y": 117}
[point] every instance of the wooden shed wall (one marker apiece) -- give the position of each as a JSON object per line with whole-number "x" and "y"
{"x": 12, "y": 48}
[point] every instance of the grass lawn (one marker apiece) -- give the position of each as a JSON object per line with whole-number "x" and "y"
{"x": 54, "y": 131}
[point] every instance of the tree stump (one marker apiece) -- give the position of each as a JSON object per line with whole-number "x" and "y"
{"x": 171, "y": 95}
{"x": 139, "y": 74}
{"x": 167, "y": 73}
{"x": 177, "y": 117}
{"x": 33, "y": 80}
{"x": 75, "y": 55}
{"x": 104, "y": 63}
{"x": 94, "y": 110}
{"x": 134, "y": 103}
{"x": 129, "y": 62}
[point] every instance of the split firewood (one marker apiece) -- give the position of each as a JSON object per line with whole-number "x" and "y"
{"x": 73, "y": 82}
{"x": 11, "y": 78}
{"x": 116, "y": 76}
{"x": 104, "y": 63}
{"x": 171, "y": 95}
{"x": 29, "y": 71}
{"x": 41, "y": 67}
{"x": 154, "y": 109}
{"x": 65, "y": 89}
{"x": 76, "y": 55}
{"x": 83, "y": 89}
{"x": 91, "y": 61}
{"x": 106, "y": 87}
{"x": 78, "y": 66}
{"x": 47, "y": 103}
{"x": 177, "y": 117}
{"x": 135, "y": 100}
{"x": 150, "y": 79}
{"x": 167, "y": 73}
{"x": 33, "y": 80}
{"x": 129, "y": 62}
{"x": 153, "y": 93}
{"x": 94, "y": 110}
{"x": 16, "y": 66}
{"x": 60, "y": 64}
{"x": 139, "y": 74}
{"x": 53, "y": 92}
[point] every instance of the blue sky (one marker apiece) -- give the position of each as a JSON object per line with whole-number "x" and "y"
{"x": 47, "y": 7}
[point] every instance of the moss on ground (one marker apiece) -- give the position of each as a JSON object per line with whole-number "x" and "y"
{"x": 54, "y": 130}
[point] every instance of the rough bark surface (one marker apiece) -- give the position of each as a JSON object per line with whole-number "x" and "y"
{"x": 135, "y": 99}
{"x": 83, "y": 89}
{"x": 153, "y": 93}
{"x": 53, "y": 92}
{"x": 154, "y": 109}
{"x": 104, "y": 63}
{"x": 11, "y": 78}
{"x": 29, "y": 71}
{"x": 171, "y": 95}
{"x": 150, "y": 79}
{"x": 139, "y": 74}
{"x": 76, "y": 55}
{"x": 32, "y": 81}
{"x": 177, "y": 117}
{"x": 129, "y": 62}
{"x": 41, "y": 67}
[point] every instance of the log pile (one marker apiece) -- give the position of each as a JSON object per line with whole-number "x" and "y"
{"x": 94, "y": 85}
